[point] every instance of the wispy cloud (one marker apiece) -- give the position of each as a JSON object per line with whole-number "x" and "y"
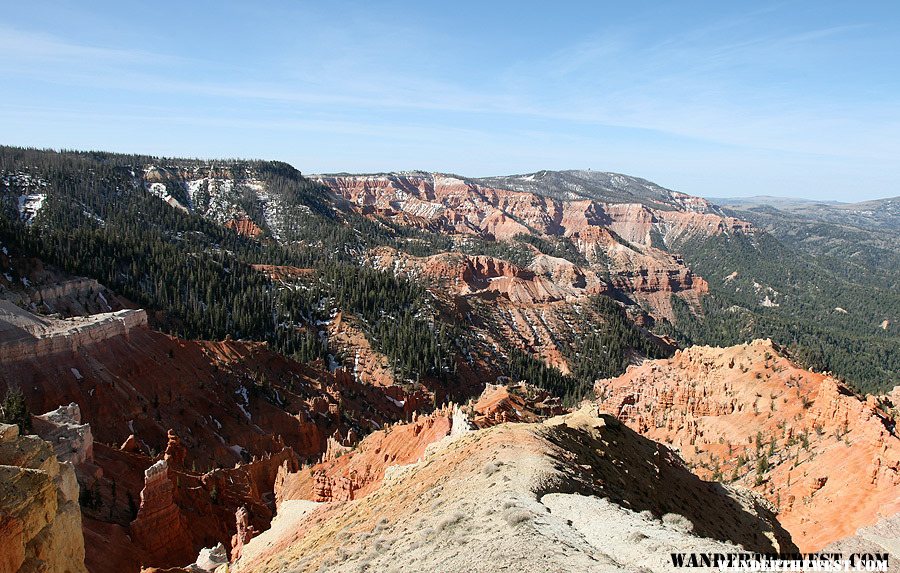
{"x": 729, "y": 82}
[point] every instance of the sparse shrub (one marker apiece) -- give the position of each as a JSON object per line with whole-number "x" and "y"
{"x": 450, "y": 521}
{"x": 517, "y": 515}
{"x": 635, "y": 537}
{"x": 14, "y": 410}
{"x": 490, "y": 468}
{"x": 678, "y": 522}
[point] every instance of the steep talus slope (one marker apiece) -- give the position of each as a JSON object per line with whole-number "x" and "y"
{"x": 828, "y": 459}
{"x": 40, "y": 522}
{"x": 578, "y": 492}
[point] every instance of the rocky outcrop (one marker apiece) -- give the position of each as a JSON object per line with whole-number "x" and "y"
{"x": 522, "y": 402}
{"x": 576, "y": 493}
{"x": 23, "y": 338}
{"x": 244, "y": 226}
{"x": 40, "y": 521}
{"x": 245, "y": 532}
{"x": 357, "y": 473}
{"x": 175, "y": 453}
{"x": 72, "y": 441}
{"x": 829, "y": 460}
{"x": 29, "y": 283}
{"x": 547, "y": 280}
{"x": 160, "y": 529}
{"x": 283, "y": 272}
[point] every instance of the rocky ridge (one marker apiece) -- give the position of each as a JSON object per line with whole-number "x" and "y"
{"x": 578, "y": 492}
{"x": 828, "y": 459}
{"x": 541, "y": 309}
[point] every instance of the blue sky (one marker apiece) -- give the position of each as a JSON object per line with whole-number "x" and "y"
{"x": 710, "y": 98}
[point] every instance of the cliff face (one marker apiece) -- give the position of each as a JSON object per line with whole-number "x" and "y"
{"x": 33, "y": 338}
{"x": 221, "y": 398}
{"x": 576, "y": 493}
{"x": 625, "y": 241}
{"x": 40, "y": 521}
{"x": 447, "y": 203}
{"x": 827, "y": 459}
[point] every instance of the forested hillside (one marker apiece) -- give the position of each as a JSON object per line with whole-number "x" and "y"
{"x": 126, "y": 221}
{"x": 762, "y": 288}
{"x": 191, "y": 241}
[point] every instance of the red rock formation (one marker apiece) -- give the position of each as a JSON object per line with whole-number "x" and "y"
{"x": 245, "y": 532}
{"x": 519, "y": 403}
{"x": 359, "y": 472}
{"x": 824, "y": 456}
{"x": 244, "y": 226}
{"x": 615, "y": 238}
{"x": 160, "y": 529}
{"x": 130, "y": 445}
{"x": 175, "y": 452}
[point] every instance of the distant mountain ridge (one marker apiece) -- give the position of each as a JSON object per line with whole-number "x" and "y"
{"x": 568, "y": 185}
{"x": 871, "y": 214}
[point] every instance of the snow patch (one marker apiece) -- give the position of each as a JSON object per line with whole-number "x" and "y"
{"x": 30, "y": 205}
{"x": 245, "y": 395}
{"x": 398, "y": 403}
